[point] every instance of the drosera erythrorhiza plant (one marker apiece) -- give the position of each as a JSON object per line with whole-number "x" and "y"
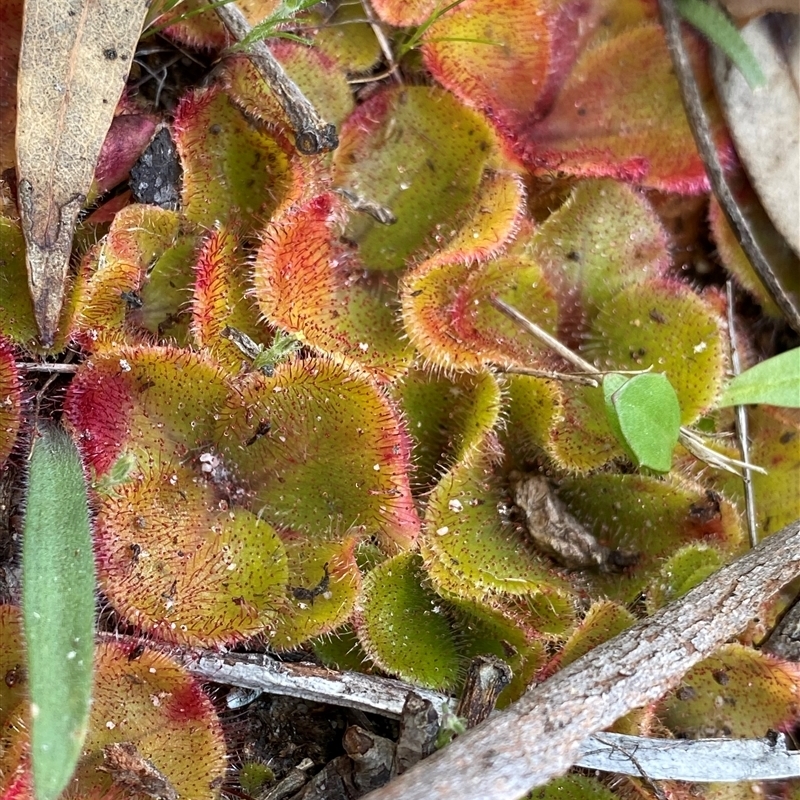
{"x": 359, "y": 483}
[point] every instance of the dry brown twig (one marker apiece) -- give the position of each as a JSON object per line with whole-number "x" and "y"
{"x": 312, "y": 133}
{"x": 541, "y": 736}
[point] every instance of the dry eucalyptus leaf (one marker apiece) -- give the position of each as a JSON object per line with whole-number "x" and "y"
{"x": 74, "y": 60}
{"x": 763, "y": 122}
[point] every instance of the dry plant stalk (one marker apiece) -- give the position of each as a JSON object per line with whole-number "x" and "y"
{"x": 541, "y": 736}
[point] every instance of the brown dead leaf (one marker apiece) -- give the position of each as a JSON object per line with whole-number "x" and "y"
{"x": 74, "y": 60}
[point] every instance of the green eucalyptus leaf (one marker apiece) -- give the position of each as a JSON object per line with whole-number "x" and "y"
{"x": 774, "y": 382}
{"x": 645, "y": 410}
{"x": 58, "y": 609}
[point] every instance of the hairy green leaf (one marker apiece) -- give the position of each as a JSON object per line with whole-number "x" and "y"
{"x": 774, "y": 382}
{"x": 58, "y": 609}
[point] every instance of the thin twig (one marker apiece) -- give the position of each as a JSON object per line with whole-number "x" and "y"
{"x": 542, "y": 735}
{"x": 693, "y": 104}
{"x": 695, "y": 760}
{"x": 383, "y": 42}
{"x": 742, "y": 433}
{"x": 567, "y": 377}
{"x": 544, "y": 337}
{"x": 35, "y": 366}
{"x": 312, "y": 133}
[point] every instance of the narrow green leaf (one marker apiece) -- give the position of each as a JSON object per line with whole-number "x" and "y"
{"x": 719, "y": 30}
{"x": 775, "y": 382}
{"x": 58, "y": 609}
{"x": 646, "y": 412}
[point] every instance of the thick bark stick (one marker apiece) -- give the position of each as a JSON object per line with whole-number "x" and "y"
{"x": 540, "y": 736}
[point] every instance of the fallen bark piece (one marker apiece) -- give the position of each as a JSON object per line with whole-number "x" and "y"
{"x": 486, "y": 678}
{"x": 419, "y": 727}
{"x": 74, "y": 60}
{"x": 541, "y": 735}
{"x": 308, "y": 681}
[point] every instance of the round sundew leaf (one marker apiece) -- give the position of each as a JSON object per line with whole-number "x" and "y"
{"x": 738, "y": 692}
{"x": 605, "y": 236}
{"x": 17, "y": 320}
{"x": 651, "y": 518}
{"x": 665, "y": 325}
{"x": 646, "y": 409}
{"x": 735, "y": 261}
{"x": 775, "y": 446}
{"x": 349, "y": 40}
{"x": 405, "y": 13}
{"x": 322, "y": 449}
{"x": 324, "y": 581}
{"x": 495, "y": 56}
{"x": 175, "y": 564}
{"x": 491, "y": 221}
{"x": 681, "y": 572}
{"x": 775, "y": 382}
{"x": 468, "y": 550}
{"x": 10, "y": 400}
{"x": 449, "y": 317}
{"x": 232, "y": 171}
{"x": 302, "y": 284}
{"x": 580, "y": 436}
{"x": 164, "y": 311}
{"x": 603, "y": 621}
{"x": 16, "y": 781}
{"x": 165, "y": 718}
{"x": 619, "y": 114}
{"x": 532, "y": 407}
{"x": 403, "y": 628}
{"x": 442, "y": 148}
{"x": 157, "y": 397}
{"x": 219, "y": 299}
{"x": 341, "y": 650}
{"x": 109, "y": 303}
{"x": 484, "y": 629}
{"x": 550, "y": 611}
{"x": 201, "y": 31}
{"x": 165, "y": 715}
{"x": 573, "y": 787}
{"x": 447, "y": 418}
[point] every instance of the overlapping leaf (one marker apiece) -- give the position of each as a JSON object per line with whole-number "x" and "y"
{"x": 165, "y": 719}
{"x": 303, "y": 284}
{"x": 619, "y": 114}
{"x": 419, "y": 153}
{"x": 234, "y": 170}
{"x": 10, "y": 400}
{"x": 737, "y": 692}
{"x": 179, "y": 454}
{"x": 650, "y": 518}
{"x": 136, "y": 280}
